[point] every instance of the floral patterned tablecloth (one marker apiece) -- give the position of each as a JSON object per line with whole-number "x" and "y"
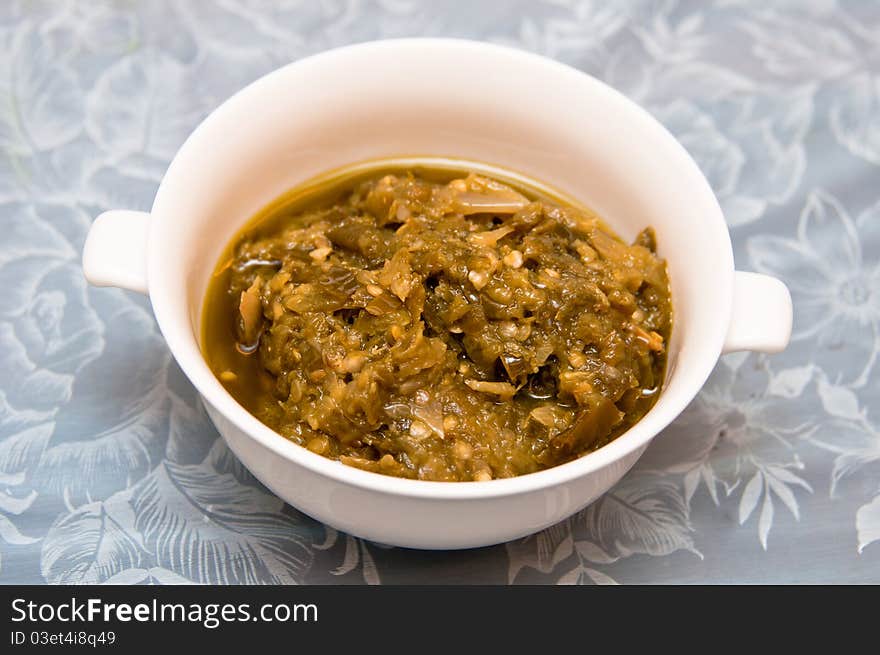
{"x": 109, "y": 468}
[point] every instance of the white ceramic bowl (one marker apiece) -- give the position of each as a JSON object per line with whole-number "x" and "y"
{"x": 441, "y": 98}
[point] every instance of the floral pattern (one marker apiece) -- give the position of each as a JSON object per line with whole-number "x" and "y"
{"x": 110, "y": 471}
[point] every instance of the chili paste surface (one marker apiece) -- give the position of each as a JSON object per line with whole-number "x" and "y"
{"x": 442, "y": 328}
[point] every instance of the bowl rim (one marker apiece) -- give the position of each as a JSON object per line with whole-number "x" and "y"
{"x": 191, "y": 360}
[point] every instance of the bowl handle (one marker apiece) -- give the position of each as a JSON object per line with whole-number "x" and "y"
{"x": 762, "y": 314}
{"x": 115, "y": 253}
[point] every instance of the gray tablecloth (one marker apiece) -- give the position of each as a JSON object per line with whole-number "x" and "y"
{"x": 109, "y": 469}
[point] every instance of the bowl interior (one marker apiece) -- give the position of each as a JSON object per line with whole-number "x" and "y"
{"x": 453, "y": 99}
